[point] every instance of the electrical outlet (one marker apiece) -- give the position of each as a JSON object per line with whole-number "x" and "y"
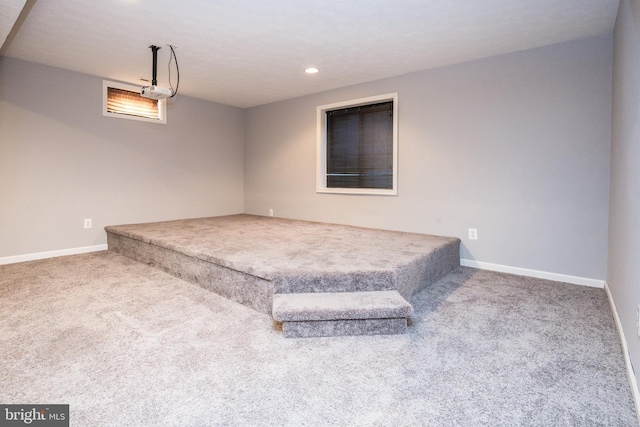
{"x": 88, "y": 223}
{"x": 473, "y": 234}
{"x": 270, "y": 212}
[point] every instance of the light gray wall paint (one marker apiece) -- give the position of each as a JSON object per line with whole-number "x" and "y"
{"x": 623, "y": 276}
{"x": 61, "y": 161}
{"x": 517, "y": 146}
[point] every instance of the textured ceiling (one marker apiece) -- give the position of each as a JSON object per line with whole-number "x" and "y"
{"x": 251, "y": 52}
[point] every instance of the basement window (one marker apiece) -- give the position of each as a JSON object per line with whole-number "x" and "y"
{"x": 357, "y": 147}
{"x": 125, "y": 102}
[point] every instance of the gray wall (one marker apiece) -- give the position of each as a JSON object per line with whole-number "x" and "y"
{"x": 623, "y": 275}
{"x": 517, "y": 146}
{"x": 61, "y": 161}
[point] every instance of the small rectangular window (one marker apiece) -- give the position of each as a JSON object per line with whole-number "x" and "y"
{"x": 357, "y": 146}
{"x": 124, "y": 101}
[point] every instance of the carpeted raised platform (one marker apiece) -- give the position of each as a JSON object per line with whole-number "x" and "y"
{"x": 313, "y": 268}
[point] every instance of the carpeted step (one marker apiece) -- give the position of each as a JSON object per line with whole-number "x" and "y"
{"x": 248, "y": 259}
{"x": 340, "y": 305}
{"x": 335, "y": 328}
{"x": 341, "y": 313}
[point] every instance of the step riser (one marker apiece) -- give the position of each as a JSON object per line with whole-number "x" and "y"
{"x": 408, "y": 280}
{"x": 419, "y": 274}
{"x": 245, "y": 289}
{"x": 331, "y": 328}
{"x": 340, "y": 306}
{"x": 352, "y": 282}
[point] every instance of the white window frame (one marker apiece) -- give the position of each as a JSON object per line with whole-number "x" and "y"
{"x": 162, "y": 103}
{"x": 321, "y": 146}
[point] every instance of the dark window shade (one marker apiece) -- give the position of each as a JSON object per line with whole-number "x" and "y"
{"x": 360, "y": 147}
{"x": 121, "y": 101}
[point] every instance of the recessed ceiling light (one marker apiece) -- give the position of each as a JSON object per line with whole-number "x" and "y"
{"x": 311, "y": 70}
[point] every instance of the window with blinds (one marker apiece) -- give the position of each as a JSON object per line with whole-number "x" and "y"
{"x": 357, "y": 146}
{"x": 124, "y": 101}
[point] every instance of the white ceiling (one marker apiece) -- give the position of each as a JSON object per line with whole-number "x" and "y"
{"x": 251, "y": 52}
{"x": 10, "y": 11}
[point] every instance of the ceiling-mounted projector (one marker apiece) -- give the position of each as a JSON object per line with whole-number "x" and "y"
{"x": 156, "y": 92}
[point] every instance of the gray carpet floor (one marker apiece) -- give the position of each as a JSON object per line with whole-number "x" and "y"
{"x": 127, "y": 345}
{"x": 269, "y": 247}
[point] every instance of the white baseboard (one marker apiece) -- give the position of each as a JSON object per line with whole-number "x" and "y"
{"x": 52, "y": 254}
{"x": 625, "y": 350}
{"x": 584, "y": 281}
